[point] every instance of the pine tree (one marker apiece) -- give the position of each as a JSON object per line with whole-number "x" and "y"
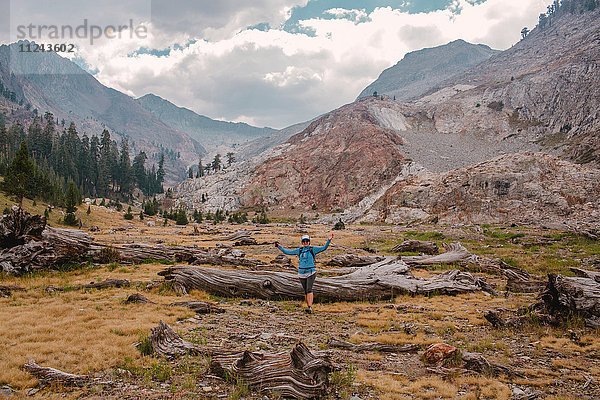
{"x": 216, "y": 164}
{"x": 200, "y": 173}
{"x": 230, "y": 158}
{"x": 160, "y": 174}
{"x": 19, "y": 173}
{"x": 139, "y": 171}
{"x": 104, "y": 166}
{"x": 125, "y": 172}
{"x": 72, "y": 199}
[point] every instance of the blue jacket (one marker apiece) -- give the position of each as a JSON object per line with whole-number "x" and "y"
{"x": 306, "y": 266}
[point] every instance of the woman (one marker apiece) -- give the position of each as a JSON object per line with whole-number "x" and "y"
{"x": 307, "y": 271}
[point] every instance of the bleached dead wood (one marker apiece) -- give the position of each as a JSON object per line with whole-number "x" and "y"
{"x": 562, "y": 298}
{"x": 584, "y": 273}
{"x": 455, "y": 253}
{"x": 565, "y": 296}
{"x": 298, "y": 374}
{"x": 51, "y": 375}
{"x": 28, "y": 244}
{"x": 353, "y": 260}
{"x": 138, "y": 298}
{"x": 418, "y": 246}
{"x": 19, "y": 226}
{"x": 383, "y": 347}
{"x": 382, "y": 280}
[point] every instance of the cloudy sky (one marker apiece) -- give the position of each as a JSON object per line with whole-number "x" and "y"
{"x": 265, "y": 62}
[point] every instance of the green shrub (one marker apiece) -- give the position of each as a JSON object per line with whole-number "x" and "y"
{"x": 339, "y": 225}
{"x": 181, "y": 218}
{"x": 128, "y": 215}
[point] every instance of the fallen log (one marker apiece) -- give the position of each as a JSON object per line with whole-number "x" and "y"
{"x": 565, "y": 296}
{"x": 353, "y": 260}
{"x": 418, "y": 246}
{"x": 445, "y": 360}
{"x": 50, "y": 375}
{"x": 562, "y": 298}
{"x": 6, "y": 290}
{"x": 298, "y": 374}
{"x": 518, "y": 319}
{"x": 28, "y": 244}
{"x": 382, "y": 280}
{"x": 455, "y": 253}
{"x": 522, "y": 283}
{"x": 583, "y": 273}
{"x": 282, "y": 260}
{"x": 118, "y": 283}
{"x": 383, "y": 347}
{"x": 138, "y": 298}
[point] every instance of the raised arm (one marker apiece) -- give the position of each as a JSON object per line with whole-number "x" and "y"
{"x": 294, "y": 252}
{"x": 323, "y": 248}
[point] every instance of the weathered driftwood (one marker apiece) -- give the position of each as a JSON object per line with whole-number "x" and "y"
{"x": 140, "y": 252}
{"x": 19, "y": 226}
{"x": 565, "y": 296}
{"x": 517, "y": 319}
{"x": 28, "y": 244}
{"x": 562, "y": 298}
{"x": 584, "y": 273}
{"x": 418, "y": 246}
{"x": 455, "y": 253}
{"x": 298, "y": 374}
{"x": 237, "y": 235}
{"x": 51, "y": 375}
{"x": 353, "y": 260}
{"x": 382, "y": 280}
{"x": 6, "y": 290}
{"x": 282, "y": 260}
{"x": 518, "y": 280}
{"x": 383, "y": 347}
{"x": 138, "y": 298}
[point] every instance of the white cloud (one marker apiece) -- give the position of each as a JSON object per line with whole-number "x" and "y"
{"x": 277, "y": 78}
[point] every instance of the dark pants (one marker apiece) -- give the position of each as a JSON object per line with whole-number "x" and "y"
{"x": 307, "y": 283}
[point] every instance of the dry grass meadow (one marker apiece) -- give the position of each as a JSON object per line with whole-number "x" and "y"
{"x": 94, "y": 331}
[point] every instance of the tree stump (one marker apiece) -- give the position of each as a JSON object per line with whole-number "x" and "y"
{"x": 298, "y": 374}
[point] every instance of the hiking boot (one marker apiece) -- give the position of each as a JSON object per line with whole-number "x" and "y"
{"x": 309, "y": 310}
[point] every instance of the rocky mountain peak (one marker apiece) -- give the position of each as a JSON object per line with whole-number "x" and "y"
{"x": 423, "y": 69}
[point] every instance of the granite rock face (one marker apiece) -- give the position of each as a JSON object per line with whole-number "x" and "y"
{"x": 528, "y": 188}
{"x": 335, "y": 162}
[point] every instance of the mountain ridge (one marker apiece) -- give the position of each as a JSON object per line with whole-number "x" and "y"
{"x": 210, "y": 132}
{"x": 420, "y": 70}
{"x": 52, "y": 83}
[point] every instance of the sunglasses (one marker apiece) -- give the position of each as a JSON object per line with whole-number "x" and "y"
{"x": 306, "y": 241}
